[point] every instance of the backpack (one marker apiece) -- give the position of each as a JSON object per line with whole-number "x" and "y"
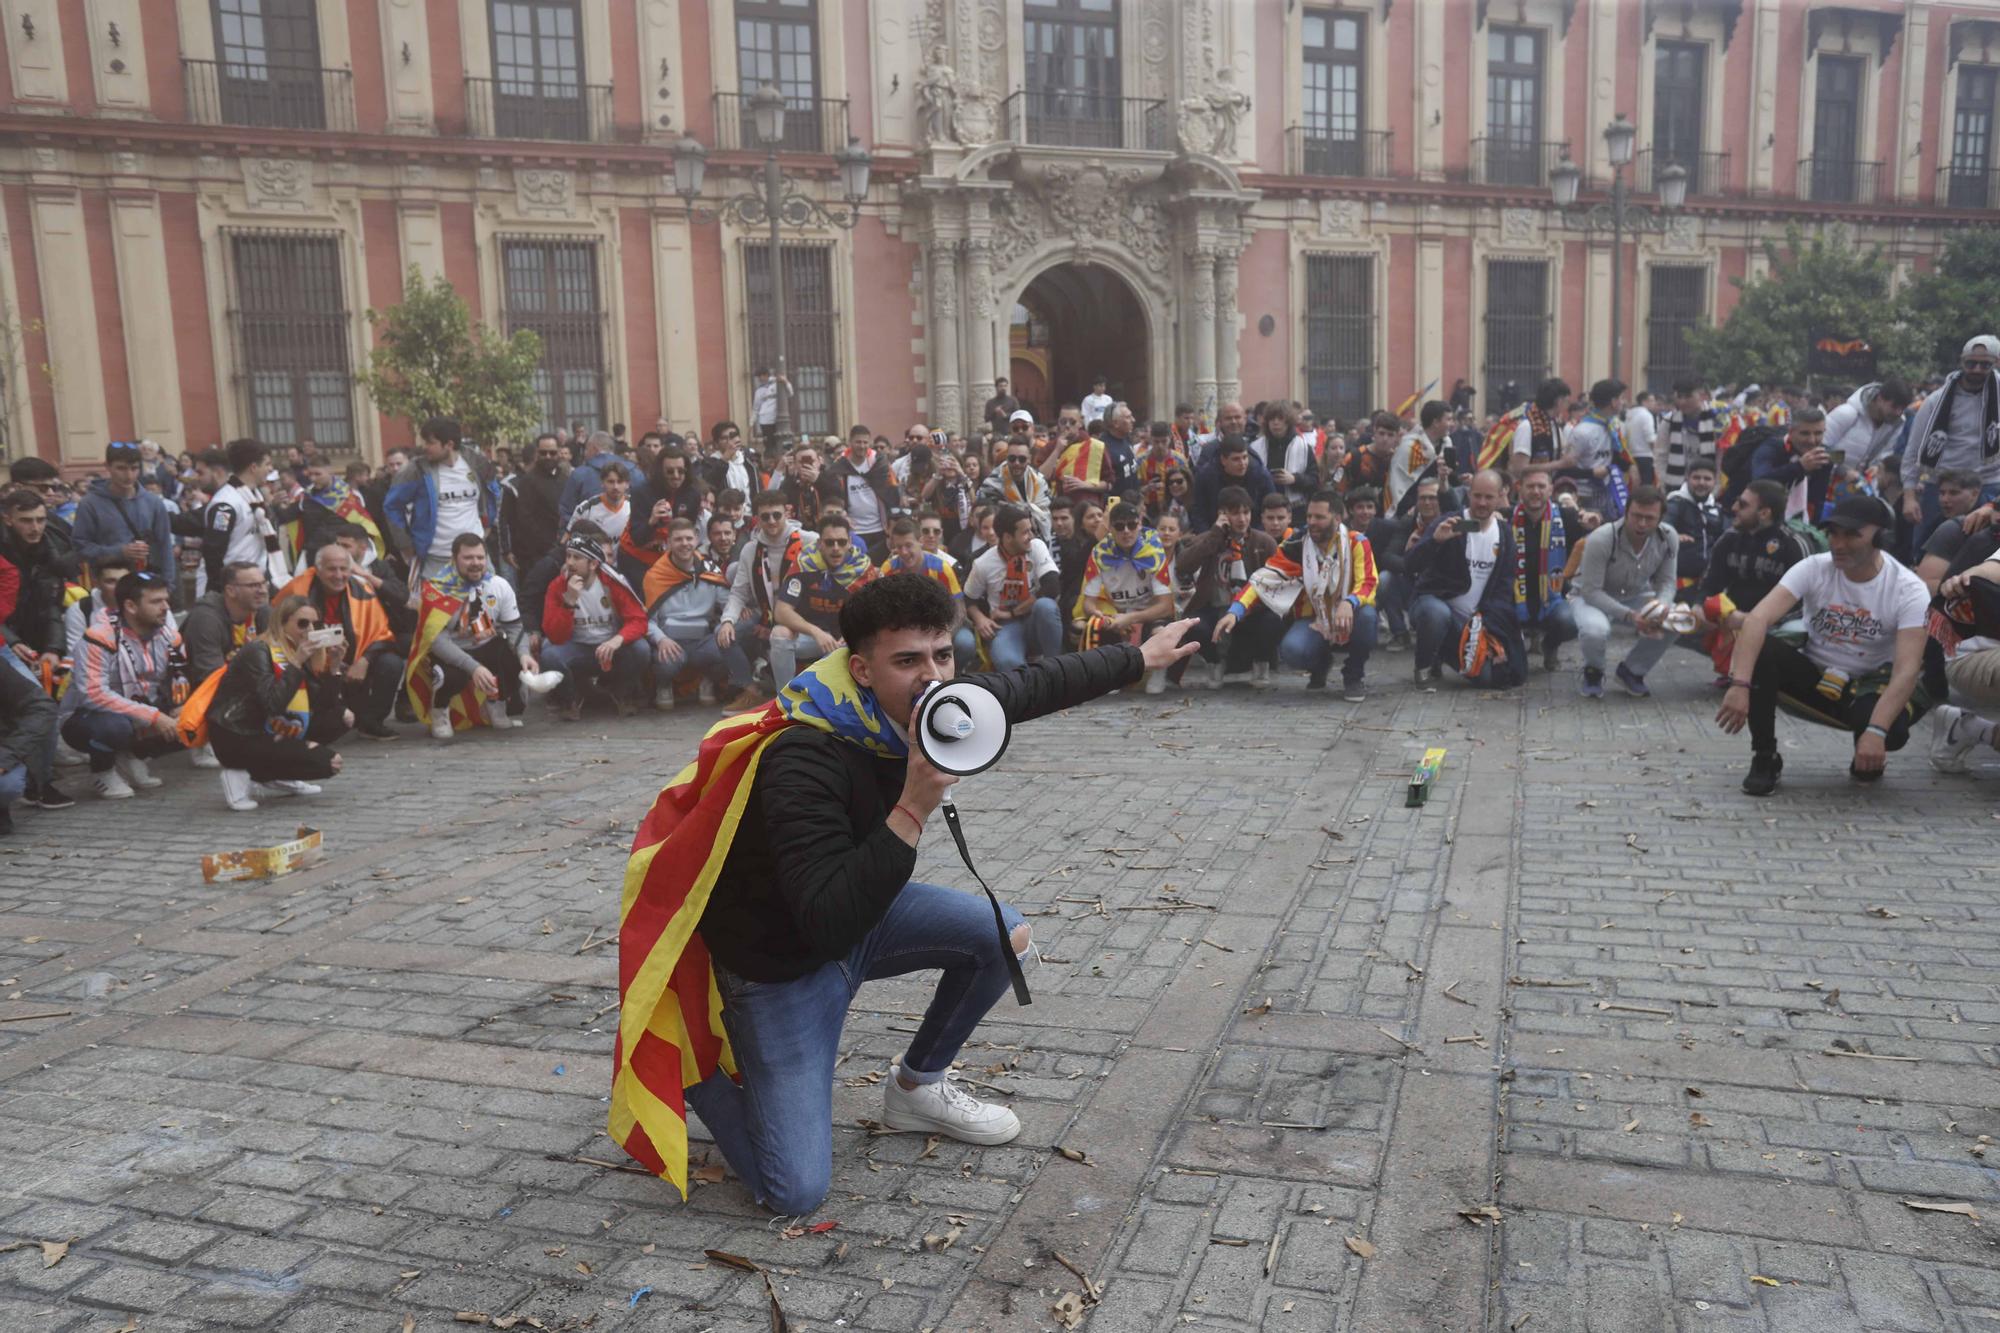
{"x": 192, "y": 721}
{"x": 1735, "y": 460}
{"x": 1814, "y": 538}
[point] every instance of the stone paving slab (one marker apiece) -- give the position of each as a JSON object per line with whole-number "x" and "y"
{"x": 1589, "y": 985}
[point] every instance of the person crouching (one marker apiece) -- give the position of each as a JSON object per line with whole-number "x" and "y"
{"x": 277, "y": 710}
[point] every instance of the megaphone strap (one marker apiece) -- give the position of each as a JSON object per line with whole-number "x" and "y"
{"x": 999, "y": 920}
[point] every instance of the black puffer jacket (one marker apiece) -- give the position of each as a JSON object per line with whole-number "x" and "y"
{"x": 252, "y": 690}
{"x": 814, "y": 865}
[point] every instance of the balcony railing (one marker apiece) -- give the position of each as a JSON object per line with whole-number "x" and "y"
{"x": 1963, "y": 185}
{"x": 812, "y": 124}
{"x": 1062, "y": 119}
{"x": 1510, "y": 161}
{"x": 518, "y": 109}
{"x": 264, "y": 96}
{"x": 1311, "y": 151}
{"x": 1838, "y": 180}
{"x": 1708, "y": 173}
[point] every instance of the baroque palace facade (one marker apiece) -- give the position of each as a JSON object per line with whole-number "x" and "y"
{"x": 201, "y": 199}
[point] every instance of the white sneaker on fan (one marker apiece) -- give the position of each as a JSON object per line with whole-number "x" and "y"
{"x": 944, "y": 1107}
{"x": 133, "y": 769}
{"x": 284, "y": 787}
{"x": 236, "y": 790}
{"x": 441, "y": 723}
{"x": 205, "y": 758}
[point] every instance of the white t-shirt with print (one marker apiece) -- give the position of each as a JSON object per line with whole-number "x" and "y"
{"x": 611, "y": 522}
{"x": 1852, "y": 626}
{"x": 457, "y": 505}
{"x": 1009, "y": 586}
{"x": 594, "y": 619}
{"x": 1482, "y": 552}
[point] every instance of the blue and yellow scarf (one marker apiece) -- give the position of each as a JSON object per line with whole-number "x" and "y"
{"x": 824, "y": 696}
{"x": 1146, "y": 556}
{"x": 854, "y": 569}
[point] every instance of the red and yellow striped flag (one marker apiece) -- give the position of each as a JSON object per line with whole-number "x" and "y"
{"x": 670, "y": 1032}
{"x": 435, "y": 612}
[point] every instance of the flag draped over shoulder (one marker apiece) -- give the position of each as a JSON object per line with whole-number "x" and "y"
{"x": 1085, "y": 461}
{"x": 342, "y": 499}
{"x": 442, "y": 599}
{"x": 1499, "y": 441}
{"x": 670, "y": 1031}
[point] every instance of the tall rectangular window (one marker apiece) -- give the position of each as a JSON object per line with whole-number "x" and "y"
{"x": 1517, "y": 329}
{"x": 1340, "y": 335}
{"x": 538, "y": 71}
{"x": 1836, "y": 172}
{"x": 1972, "y": 138}
{"x": 552, "y": 288}
{"x": 1333, "y": 116}
{"x": 1679, "y": 88}
{"x": 1072, "y": 85}
{"x": 267, "y": 63}
{"x": 292, "y": 328}
{"x": 810, "y": 328}
{"x": 775, "y": 44}
{"x": 1514, "y": 106}
{"x": 1679, "y": 301}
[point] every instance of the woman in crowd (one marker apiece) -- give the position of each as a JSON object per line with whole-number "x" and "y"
{"x": 276, "y": 710}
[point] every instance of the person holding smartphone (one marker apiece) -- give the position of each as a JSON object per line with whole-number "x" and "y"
{"x": 278, "y": 709}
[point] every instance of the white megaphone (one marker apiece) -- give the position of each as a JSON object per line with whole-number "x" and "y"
{"x": 960, "y": 728}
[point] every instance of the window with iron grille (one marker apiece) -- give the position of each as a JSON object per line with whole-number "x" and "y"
{"x": 1517, "y": 329}
{"x": 1679, "y": 301}
{"x": 1836, "y": 170}
{"x": 537, "y": 70}
{"x": 267, "y": 53}
{"x": 775, "y": 44}
{"x": 1340, "y": 336}
{"x": 810, "y": 328}
{"x": 292, "y": 328}
{"x": 552, "y": 288}
{"x": 1679, "y": 96}
{"x": 1972, "y": 138}
{"x": 1072, "y": 82}
{"x": 1333, "y": 116}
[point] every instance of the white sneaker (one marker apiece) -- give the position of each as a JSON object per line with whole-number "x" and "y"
{"x": 539, "y": 683}
{"x": 1215, "y": 675}
{"x": 946, "y": 1108}
{"x": 496, "y": 715}
{"x": 111, "y": 785}
{"x": 1953, "y": 737}
{"x": 706, "y": 692}
{"x": 283, "y": 787}
{"x": 441, "y": 723}
{"x": 1156, "y": 682}
{"x": 133, "y": 769}
{"x": 236, "y": 790}
{"x": 1260, "y": 676}
{"x": 205, "y": 758}
{"x": 68, "y": 758}
{"x": 663, "y": 699}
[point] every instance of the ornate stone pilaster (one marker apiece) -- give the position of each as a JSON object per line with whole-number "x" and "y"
{"x": 947, "y": 393}
{"x": 979, "y": 325}
{"x": 1228, "y": 359}
{"x": 1201, "y": 326}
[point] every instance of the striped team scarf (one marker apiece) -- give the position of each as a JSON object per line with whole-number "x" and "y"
{"x": 670, "y": 1030}
{"x": 854, "y": 569}
{"x": 1543, "y": 564}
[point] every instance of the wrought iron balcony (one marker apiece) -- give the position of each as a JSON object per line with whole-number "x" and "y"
{"x": 521, "y": 109}
{"x": 1707, "y": 173}
{"x": 1838, "y": 180}
{"x": 1062, "y": 119}
{"x": 266, "y": 96}
{"x": 1966, "y": 185}
{"x": 1510, "y": 161}
{"x": 1314, "y": 151}
{"x": 812, "y": 124}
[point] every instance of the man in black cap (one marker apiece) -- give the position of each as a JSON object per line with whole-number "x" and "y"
{"x": 1858, "y": 667}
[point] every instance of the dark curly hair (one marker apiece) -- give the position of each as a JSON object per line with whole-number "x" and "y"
{"x": 893, "y": 602}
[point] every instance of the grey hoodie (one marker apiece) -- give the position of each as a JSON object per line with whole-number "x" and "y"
{"x": 759, "y": 569}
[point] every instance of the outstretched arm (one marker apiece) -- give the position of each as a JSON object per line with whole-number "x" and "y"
{"x": 1068, "y": 679}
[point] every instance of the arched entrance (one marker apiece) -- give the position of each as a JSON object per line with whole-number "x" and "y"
{"x": 1073, "y": 323}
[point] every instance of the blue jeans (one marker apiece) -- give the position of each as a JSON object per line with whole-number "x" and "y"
{"x": 788, "y": 651}
{"x": 1557, "y": 626}
{"x": 578, "y": 663}
{"x": 965, "y": 647}
{"x": 706, "y": 658}
{"x": 1594, "y": 632}
{"x": 104, "y": 736}
{"x": 1437, "y": 628}
{"x": 1037, "y": 634}
{"x": 1304, "y": 649}
{"x": 1392, "y": 599}
{"x": 775, "y": 1129}
{"x": 13, "y": 785}
{"x": 40, "y": 767}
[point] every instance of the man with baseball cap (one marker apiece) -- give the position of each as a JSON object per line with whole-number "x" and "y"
{"x": 1957, "y": 429}
{"x": 1022, "y": 420}
{"x": 1858, "y": 667}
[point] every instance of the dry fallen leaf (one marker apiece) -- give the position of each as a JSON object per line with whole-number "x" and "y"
{"x": 1631, "y": 1124}
{"x": 1263, "y": 1008}
{"x": 709, "y": 1175}
{"x": 1074, "y": 1155}
{"x": 507, "y": 1321}
{"x": 470, "y": 1317}
{"x": 53, "y": 1251}
{"x": 648, "y": 1248}
{"x": 1481, "y": 1215}
{"x": 1926, "y": 1206}
{"x": 930, "y": 1147}
{"x": 409, "y": 1323}
{"x": 1763, "y": 1281}
{"x": 410, "y": 1272}
{"x": 1068, "y": 1309}
{"x": 1361, "y": 1247}
{"x": 1698, "y": 1120}
{"x": 1884, "y": 913}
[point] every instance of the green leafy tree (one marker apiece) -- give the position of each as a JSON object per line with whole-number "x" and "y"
{"x": 431, "y": 359}
{"x": 1957, "y": 298}
{"x": 1818, "y": 284}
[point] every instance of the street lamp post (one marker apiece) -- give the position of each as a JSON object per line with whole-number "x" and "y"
{"x": 1564, "y": 181}
{"x": 775, "y": 204}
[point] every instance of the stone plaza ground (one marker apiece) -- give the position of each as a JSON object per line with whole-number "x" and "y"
{"x": 1589, "y": 1042}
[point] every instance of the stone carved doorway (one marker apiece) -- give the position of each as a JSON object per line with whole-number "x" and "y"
{"x": 1074, "y": 322}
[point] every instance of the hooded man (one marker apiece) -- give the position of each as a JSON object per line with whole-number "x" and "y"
{"x": 118, "y": 515}
{"x": 1862, "y": 430}
{"x": 686, "y": 594}
{"x": 593, "y": 628}
{"x": 1228, "y": 463}
{"x": 531, "y": 514}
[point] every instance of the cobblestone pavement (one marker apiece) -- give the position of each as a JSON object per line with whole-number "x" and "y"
{"x": 1699, "y": 1055}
